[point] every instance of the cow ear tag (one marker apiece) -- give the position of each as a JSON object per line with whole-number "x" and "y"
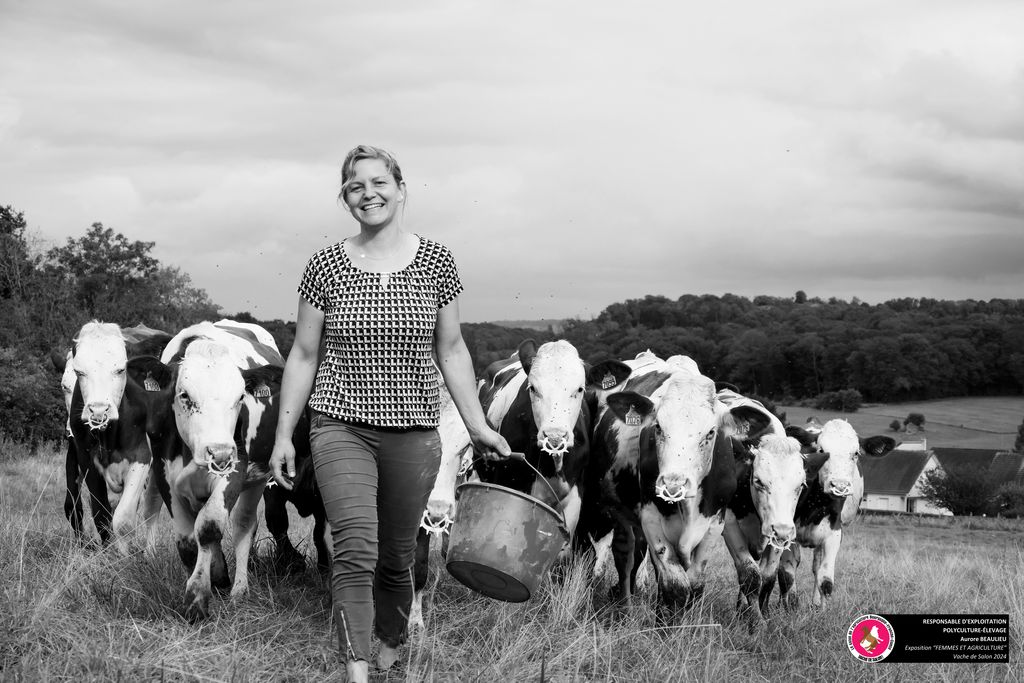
{"x": 150, "y": 384}
{"x": 608, "y": 381}
{"x": 633, "y": 418}
{"x": 261, "y": 391}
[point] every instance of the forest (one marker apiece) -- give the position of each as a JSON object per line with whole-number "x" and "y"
{"x": 783, "y": 349}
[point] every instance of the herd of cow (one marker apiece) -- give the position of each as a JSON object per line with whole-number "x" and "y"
{"x": 646, "y": 452}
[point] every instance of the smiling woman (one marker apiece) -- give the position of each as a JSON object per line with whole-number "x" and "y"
{"x": 385, "y": 303}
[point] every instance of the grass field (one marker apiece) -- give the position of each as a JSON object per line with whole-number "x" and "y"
{"x": 979, "y": 422}
{"x": 67, "y": 613}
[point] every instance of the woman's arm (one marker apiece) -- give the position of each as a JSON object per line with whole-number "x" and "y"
{"x": 457, "y": 369}
{"x": 296, "y": 385}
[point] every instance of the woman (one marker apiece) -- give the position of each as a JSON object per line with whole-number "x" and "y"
{"x": 384, "y": 301}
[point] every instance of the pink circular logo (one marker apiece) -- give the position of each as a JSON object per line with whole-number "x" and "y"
{"x": 870, "y": 638}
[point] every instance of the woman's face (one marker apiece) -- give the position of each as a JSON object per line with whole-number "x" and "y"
{"x": 373, "y": 196}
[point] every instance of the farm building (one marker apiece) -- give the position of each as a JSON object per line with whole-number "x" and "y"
{"x": 893, "y": 483}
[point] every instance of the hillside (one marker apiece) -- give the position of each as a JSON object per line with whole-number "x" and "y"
{"x": 556, "y": 324}
{"x": 976, "y": 422}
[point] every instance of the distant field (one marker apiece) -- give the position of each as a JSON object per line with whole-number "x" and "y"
{"x": 979, "y": 422}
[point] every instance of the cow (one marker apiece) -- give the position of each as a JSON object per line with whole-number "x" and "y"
{"x": 537, "y": 399}
{"x": 105, "y": 384}
{"x": 304, "y": 495}
{"x": 663, "y": 470}
{"x": 759, "y": 522}
{"x": 830, "y": 501}
{"x": 456, "y": 459}
{"x": 213, "y": 417}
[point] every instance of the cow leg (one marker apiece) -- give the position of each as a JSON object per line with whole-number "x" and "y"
{"x": 769, "y": 567}
{"x": 701, "y": 556}
{"x": 673, "y": 583}
{"x": 98, "y": 502}
{"x": 209, "y": 530}
{"x": 286, "y": 557}
{"x": 243, "y": 526}
{"x": 323, "y": 552}
{"x": 420, "y": 564}
{"x": 73, "y": 497}
{"x": 570, "y": 508}
{"x": 748, "y": 574}
{"x": 151, "y": 502}
{"x": 624, "y": 542}
{"x": 126, "y": 512}
{"x": 824, "y": 566}
{"x": 787, "y": 577}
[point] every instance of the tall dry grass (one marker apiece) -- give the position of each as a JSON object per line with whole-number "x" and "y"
{"x": 70, "y": 613}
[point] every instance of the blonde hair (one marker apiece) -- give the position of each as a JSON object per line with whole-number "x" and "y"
{"x": 361, "y": 152}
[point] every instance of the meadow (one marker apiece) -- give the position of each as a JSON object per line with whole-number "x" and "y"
{"x": 976, "y": 422}
{"x": 73, "y": 613}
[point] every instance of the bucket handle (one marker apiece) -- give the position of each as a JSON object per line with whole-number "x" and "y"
{"x": 521, "y": 457}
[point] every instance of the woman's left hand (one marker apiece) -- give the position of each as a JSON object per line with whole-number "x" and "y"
{"x": 491, "y": 445}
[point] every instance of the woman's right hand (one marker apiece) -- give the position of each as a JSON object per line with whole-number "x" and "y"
{"x": 282, "y": 463}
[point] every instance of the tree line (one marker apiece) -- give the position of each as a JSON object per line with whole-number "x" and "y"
{"x": 797, "y": 348}
{"x": 783, "y": 349}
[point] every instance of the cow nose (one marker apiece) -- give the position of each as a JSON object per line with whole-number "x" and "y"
{"x": 438, "y": 510}
{"x": 784, "y": 532}
{"x": 220, "y": 453}
{"x": 673, "y": 487}
{"x": 840, "y": 487}
{"x": 554, "y": 440}
{"x": 98, "y": 408}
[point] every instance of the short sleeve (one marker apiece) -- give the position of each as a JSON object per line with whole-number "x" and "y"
{"x": 449, "y": 285}
{"x": 311, "y": 286}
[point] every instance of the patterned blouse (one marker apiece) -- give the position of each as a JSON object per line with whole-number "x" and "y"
{"x": 379, "y": 335}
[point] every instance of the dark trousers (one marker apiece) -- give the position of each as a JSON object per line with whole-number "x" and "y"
{"x": 375, "y": 483}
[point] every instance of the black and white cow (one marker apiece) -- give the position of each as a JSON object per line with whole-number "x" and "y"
{"x": 664, "y": 470}
{"x": 536, "y": 400}
{"x": 759, "y": 523}
{"x": 830, "y": 501}
{"x": 214, "y": 416}
{"x": 456, "y": 459}
{"x": 106, "y": 393}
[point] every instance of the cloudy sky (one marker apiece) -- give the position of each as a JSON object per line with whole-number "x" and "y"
{"x": 571, "y": 154}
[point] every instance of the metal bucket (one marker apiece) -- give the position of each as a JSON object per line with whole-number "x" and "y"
{"x": 503, "y": 541}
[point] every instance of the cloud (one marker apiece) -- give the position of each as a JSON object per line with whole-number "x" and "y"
{"x": 572, "y": 155}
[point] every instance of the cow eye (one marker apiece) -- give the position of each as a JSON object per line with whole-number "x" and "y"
{"x": 186, "y": 401}
{"x": 759, "y": 485}
{"x": 119, "y": 371}
{"x": 533, "y": 390}
{"x": 79, "y": 373}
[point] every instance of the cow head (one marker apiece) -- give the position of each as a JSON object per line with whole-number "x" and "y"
{"x": 456, "y": 455}
{"x": 208, "y": 395}
{"x": 99, "y": 361}
{"x": 841, "y": 449}
{"x": 776, "y": 480}
{"x": 681, "y": 425}
{"x": 556, "y": 381}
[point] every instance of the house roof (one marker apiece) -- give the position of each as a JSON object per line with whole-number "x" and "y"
{"x": 1008, "y": 466}
{"x": 975, "y": 458}
{"x": 895, "y": 474}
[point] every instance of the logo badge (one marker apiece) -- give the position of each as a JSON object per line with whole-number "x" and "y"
{"x": 150, "y": 384}
{"x": 633, "y": 418}
{"x": 870, "y": 638}
{"x": 608, "y": 381}
{"x": 261, "y": 391}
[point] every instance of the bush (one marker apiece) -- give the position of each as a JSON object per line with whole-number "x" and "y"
{"x": 916, "y": 419}
{"x": 845, "y": 400}
{"x": 1009, "y": 499}
{"x": 31, "y": 403}
{"x": 895, "y": 425}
